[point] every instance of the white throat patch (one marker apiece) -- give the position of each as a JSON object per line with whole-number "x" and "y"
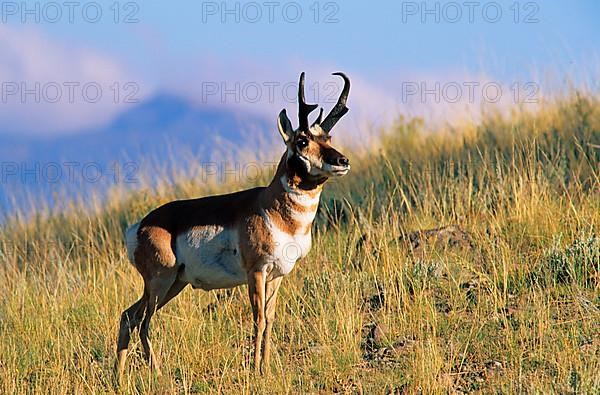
{"x": 299, "y": 197}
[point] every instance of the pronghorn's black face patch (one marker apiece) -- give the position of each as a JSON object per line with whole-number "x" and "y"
{"x": 312, "y": 151}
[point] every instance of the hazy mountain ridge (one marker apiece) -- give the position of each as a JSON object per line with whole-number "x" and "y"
{"x": 152, "y": 129}
{"x": 142, "y": 129}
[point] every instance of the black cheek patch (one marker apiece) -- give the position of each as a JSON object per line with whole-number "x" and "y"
{"x": 296, "y": 165}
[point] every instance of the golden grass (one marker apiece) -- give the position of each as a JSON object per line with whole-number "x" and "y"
{"x": 519, "y": 312}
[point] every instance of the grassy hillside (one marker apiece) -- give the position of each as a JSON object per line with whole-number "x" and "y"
{"x": 516, "y": 309}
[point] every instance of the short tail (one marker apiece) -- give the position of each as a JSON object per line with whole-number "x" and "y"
{"x": 131, "y": 241}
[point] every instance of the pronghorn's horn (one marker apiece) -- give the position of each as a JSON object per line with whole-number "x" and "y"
{"x": 303, "y": 109}
{"x": 340, "y": 108}
{"x": 319, "y": 118}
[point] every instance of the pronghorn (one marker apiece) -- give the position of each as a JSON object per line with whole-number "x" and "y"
{"x": 249, "y": 237}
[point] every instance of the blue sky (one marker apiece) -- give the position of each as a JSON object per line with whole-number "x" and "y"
{"x": 173, "y": 46}
{"x": 368, "y": 38}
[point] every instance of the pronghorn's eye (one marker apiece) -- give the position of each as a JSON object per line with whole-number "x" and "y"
{"x": 302, "y": 143}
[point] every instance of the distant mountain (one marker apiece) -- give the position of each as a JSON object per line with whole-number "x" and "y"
{"x": 144, "y": 129}
{"x": 151, "y": 129}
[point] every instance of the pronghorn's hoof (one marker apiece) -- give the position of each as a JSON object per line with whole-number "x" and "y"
{"x": 119, "y": 368}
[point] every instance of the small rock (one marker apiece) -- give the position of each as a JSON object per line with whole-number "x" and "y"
{"x": 446, "y": 236}
{"x": 471, "y": 284}
{"x": 318, "y": 349}
{"x": 379, "y": 333}
{"x": 493, "y": 365}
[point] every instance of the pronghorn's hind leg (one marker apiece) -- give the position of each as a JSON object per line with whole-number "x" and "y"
{"x": 130, "y": 319}
{"x": 142, "y": 312}
{"x": 160, "y": 291}
{"x": 154, "y": 259}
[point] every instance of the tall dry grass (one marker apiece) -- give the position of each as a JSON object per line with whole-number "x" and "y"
{"x": 518, "y": 312}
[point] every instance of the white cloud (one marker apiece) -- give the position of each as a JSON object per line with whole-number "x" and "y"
{"x": 444, "y": 97}
{"x": 55, "y": 74}
{"x": 262, "y": 89}
{"x": 250, "y": 85}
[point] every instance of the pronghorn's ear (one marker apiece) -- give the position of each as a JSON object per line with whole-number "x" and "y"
{"x": 285, "y": 126}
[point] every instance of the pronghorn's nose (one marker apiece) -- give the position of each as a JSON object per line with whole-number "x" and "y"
{"x": 343, "y": 161}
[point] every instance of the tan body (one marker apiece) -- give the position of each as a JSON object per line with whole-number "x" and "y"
{"x": 252, "y": 237}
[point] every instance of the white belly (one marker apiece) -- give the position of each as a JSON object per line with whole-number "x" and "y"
{"x": 212, "y": 259}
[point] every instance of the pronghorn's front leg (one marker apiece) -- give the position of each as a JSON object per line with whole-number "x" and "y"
{"x": 271, "y": 300}
{"x": 257, "y": 289}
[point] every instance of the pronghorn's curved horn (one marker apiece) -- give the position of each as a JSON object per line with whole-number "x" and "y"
{"x": 303, "y": 109}
{"x": 340, "y": 108}
{"x": 319, "y": 118}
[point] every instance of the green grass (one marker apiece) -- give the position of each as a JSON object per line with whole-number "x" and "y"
{"x": 518, "y": 312}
